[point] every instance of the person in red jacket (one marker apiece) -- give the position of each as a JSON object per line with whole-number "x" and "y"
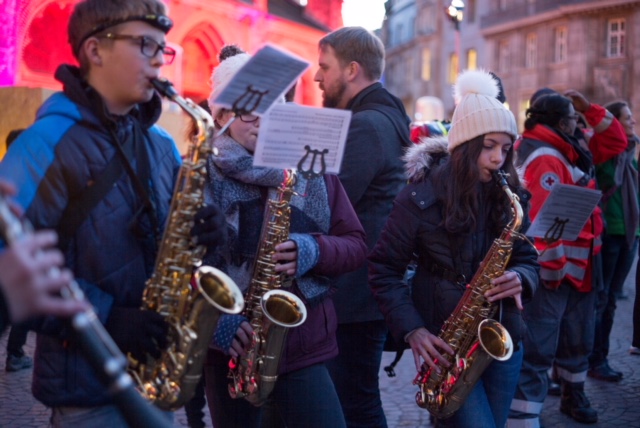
{"x": 560, "y": 316}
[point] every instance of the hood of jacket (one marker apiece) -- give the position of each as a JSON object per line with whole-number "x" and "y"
{"x": 89, "y": 107}
{"x": 419, "y": 158}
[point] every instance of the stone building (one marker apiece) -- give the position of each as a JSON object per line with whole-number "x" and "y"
{"x": 33, "y": 42}
{"x": 587, "y": 45}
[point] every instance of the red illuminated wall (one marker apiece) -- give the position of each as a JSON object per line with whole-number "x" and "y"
{"x": 201, "y": 29}
{"x": 45, "y": 43}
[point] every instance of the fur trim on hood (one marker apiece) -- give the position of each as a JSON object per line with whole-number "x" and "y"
{"x": 419, "y": 157}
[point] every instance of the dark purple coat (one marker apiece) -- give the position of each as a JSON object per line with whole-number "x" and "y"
{"x": 342, "y": 250}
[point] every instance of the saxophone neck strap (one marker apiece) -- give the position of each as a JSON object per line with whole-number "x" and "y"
{"x": 457, "y": 274}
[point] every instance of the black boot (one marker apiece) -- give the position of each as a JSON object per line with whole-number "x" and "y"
{"x": 575, "y": 403}
{"x": 604, "y": 372}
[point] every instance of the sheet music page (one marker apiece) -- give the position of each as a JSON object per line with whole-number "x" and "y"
{"x": 265, "y": 78}
{"x": 291, "y": 134}
{"x": 571, "y": 205}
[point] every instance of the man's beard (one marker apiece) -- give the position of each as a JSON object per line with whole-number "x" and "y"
{"x": 332, "y": 100}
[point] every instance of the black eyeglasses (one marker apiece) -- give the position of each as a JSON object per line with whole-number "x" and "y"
{"x": 148, "y": 46}
{"x": 248, "y": 118}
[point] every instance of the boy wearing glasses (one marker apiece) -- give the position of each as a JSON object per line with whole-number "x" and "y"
{"x": 95, "y": 168}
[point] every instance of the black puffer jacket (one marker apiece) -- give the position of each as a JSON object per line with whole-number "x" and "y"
{"x": 55, "y": 159}
{"x": 372, "y": 173}
{"x": 445, "y": 264}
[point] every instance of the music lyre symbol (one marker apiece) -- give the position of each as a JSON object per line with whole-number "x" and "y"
{"x": 248, "y": 101}
{"x": 556, "y": 230}
{"x": 310, "y": 171}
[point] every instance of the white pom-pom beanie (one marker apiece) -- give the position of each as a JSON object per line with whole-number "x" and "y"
{"x": 222, "y": 75}
{"x": 478, "y": 111}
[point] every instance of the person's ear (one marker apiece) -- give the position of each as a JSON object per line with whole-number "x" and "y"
{"x": 91, "y": 48}
{"x": 223, "y": 117}
{"x": 563, "y": 124}
{"x": 353, "y": 70}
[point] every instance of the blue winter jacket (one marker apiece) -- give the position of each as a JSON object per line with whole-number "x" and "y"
{"x": 59, "y": 155}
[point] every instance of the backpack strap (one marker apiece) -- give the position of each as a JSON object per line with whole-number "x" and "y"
{"x": 79, "y": 207}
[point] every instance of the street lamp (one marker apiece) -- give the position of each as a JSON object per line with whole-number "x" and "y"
{"x": 454, "y": 12}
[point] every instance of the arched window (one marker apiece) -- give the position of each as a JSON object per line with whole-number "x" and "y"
{"x": 45, "y": 44}
{"x": 531, "y": 51}
{"x": 201, "y": 47}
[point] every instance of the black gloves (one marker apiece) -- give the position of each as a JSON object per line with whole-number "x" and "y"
{"x": 210, "y": 227}
{"x": 138, "y": 332}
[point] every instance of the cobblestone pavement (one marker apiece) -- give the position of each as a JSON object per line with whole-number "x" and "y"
{"x": 617, "y": 403}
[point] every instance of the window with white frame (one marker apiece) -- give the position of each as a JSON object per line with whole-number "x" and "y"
{"x": 560, "y": 51}
{"x": 503, "y": 56}
{"x": 531, "y": 51}
{"x": 470, "y": 11}
{"x": 453, "y": 67}
{"x": 472, "y": 59}
{"x": 426, "y": 20}
{"x": 410, "y": 68}
{"x": 397, "y": 36}
{"x": 615, "y": 37}
{"x": 426, "y": 64}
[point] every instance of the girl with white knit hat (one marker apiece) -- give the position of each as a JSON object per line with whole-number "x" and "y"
{"x": 325, "y": 240}
{"x": 447, "y": 219}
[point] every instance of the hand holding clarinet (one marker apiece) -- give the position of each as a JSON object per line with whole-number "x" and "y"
{"x": 25, "y": 265}
{"x": 34, "y": 283}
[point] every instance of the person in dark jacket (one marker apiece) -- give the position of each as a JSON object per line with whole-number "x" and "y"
{"x": 351, "y": 62}
{"x": 17, "y": 359}
{"x": 26, "y": 287}
{"x": 618, "y": 180}
{"x": 325, "y": 240}
{"x": 447, "y": 219}
{"x": 102, "y": 120}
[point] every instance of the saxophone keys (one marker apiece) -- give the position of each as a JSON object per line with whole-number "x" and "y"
{"x": 150, "y": 391}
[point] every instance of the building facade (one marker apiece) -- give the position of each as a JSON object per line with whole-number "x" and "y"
{"x": 33, "y": 42}
{"x": 585, "y": 45}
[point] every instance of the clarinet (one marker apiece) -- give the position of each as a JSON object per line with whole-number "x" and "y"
{"x": 98, "y": 347}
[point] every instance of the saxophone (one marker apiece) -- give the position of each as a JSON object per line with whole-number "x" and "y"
{"x": 270, "y": 310}
{"x": 191, "y": 307}
{"x": 475, "y": 337}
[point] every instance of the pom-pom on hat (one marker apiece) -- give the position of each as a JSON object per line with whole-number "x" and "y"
{"x": 232, "y": 59}
{"x": 478, "y": 111}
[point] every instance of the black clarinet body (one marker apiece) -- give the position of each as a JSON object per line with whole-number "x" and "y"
{"x": 97, "y": 346}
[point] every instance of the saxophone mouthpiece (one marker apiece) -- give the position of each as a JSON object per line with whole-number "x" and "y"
{"x": 164, "y": 87}
{"x": 501, "y": 178}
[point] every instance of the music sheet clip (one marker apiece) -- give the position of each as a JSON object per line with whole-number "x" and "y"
{"x": 555, "y": 231}
{"x": 262, "y": 81}
{"x": 248, "y": 101}
{"x": 308, "y": 139}
{"x": 307, "y": 166}
{"x": 564, "y": 213}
